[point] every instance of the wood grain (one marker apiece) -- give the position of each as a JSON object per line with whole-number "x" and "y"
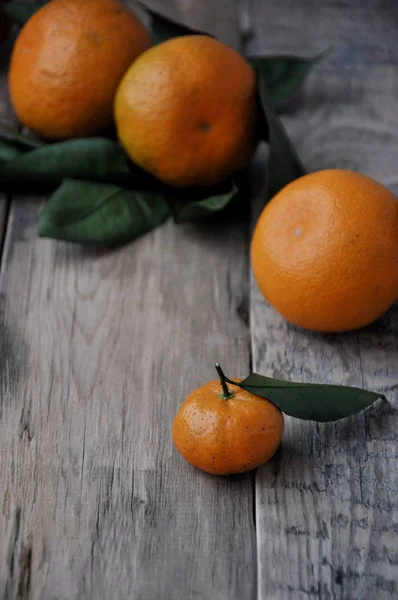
{"x": 5, "y": 116}
{"x": 101, "y": 348}
{"x": 326, "y": 507}
{"x": 97, "y": 351}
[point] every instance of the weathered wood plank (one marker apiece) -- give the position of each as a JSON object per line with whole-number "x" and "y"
{"x": 326, "y": 507}
{"x": 97, "y": 351}
{"x": 5, "y": 115}
{"x": 100, "y": 349}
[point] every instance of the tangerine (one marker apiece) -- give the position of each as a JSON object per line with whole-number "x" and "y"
{"x": 325, "y": 251}
{"x": 223, "y": 432}
{"x": 186, "y": 111}
{"x": 67, "y": 63}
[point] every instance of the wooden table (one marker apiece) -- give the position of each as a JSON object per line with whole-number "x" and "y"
{"x": 98, "y": 349}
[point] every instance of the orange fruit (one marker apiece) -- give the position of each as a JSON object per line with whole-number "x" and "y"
{"x": 325, "y": 251}
{"x": 67, "y": 63}
{"x": 224, "y": 433}
{"x": 185, "y": 111}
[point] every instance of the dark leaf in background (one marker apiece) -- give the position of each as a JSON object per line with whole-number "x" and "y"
{"x": 205, "y": 205}
{"x": 13, "y": 136}
{"x": 163, "y": 29}
{"x": 19, "y": 12}
{"x": 314, "y": 402}
{"x": 283, "y": 74}
{"x": 100, "y": 213}
{"x": 284, "y": 165}
{"x": 86, "y": 158}
{"x": 9, "y": 151}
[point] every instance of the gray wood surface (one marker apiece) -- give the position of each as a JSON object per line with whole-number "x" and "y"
{"x": 326, "y": 507}
{"x": 98, "y": 349}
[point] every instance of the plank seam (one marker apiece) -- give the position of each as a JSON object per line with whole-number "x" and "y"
{"x": 4, "y": 228}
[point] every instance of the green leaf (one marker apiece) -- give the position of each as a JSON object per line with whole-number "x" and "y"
{"x": 283, "y": 74}
{"x": 8, "y": 151}
{"x": 89, "y": 213}
{"x": 206, "y": 203}
{"x": 284, "y": 165}
{"x": 315, "y": 402}
{"x": 86, "y": 158}
{"x": 163, "y": 28}
{"x": 19, "y": 12}
{"x": 11, "y": 135}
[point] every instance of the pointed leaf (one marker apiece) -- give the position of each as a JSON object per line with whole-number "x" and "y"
{"x": 86, "y": 158}
{"x": 19, "y": 12}
{"x": 10, "y": 134}
{"x": 163, "y": 28}
{"x": 9, "y": 151}
{"x": 99, "y": 213}
{"x": 202, "y": 206}
{"x": 283, "y": 164}
{"x": 283, "y": 74}
{"x": 315, "y": 402}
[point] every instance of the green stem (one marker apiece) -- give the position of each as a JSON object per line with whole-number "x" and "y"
{"x": 226, "y": 394}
